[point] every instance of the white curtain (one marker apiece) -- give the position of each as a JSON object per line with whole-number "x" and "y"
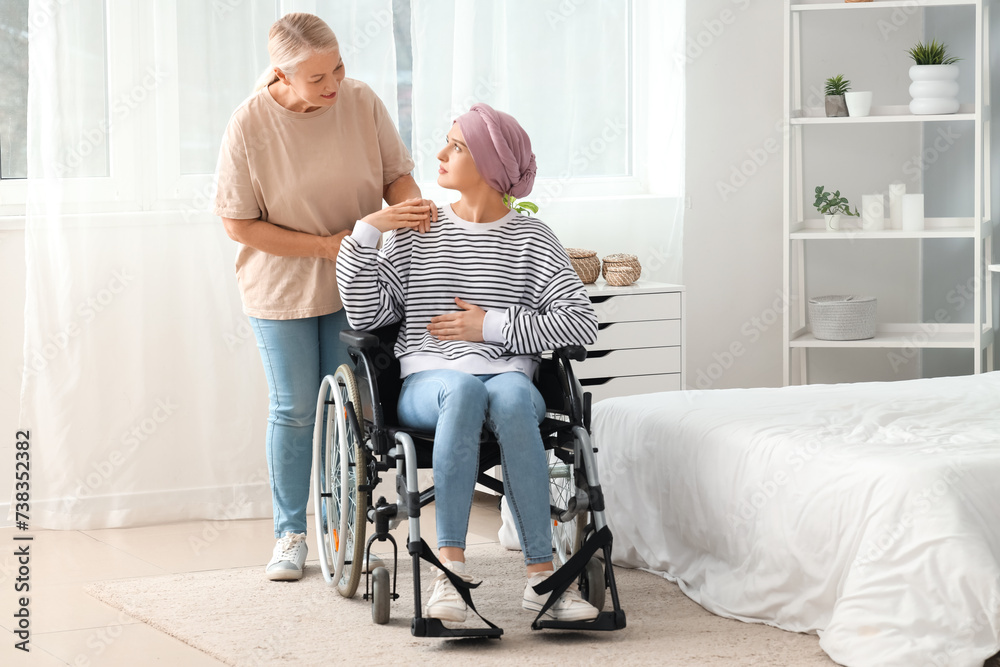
{"x": 561, "y": 68}
{"x": 142, "y": 386}
{"x": 599, "y": 87}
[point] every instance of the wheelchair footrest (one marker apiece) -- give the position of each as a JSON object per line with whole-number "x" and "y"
{"x": 606, "y": 620}
{"x": 433, "y": 627}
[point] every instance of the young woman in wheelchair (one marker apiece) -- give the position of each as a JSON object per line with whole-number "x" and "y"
{"x": 480, "y": 296}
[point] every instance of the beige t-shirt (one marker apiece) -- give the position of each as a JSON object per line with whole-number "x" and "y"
{"x": 316, "y": 172}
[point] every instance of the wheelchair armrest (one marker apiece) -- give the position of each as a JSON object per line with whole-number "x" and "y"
{"x": 574, "y": 352}
{"x": 361, "y": 340}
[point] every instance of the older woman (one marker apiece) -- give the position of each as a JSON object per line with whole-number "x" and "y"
{"x": 480, "y": 295}
{"x": 303, "y": 158}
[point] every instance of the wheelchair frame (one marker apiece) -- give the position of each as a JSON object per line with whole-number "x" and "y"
{"x": 352, "y": 444}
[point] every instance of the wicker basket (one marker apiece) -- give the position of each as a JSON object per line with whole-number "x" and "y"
{"x": 621, "y": 269}
{"x": 585, "y": 263}
{"x": 842, "y": 317}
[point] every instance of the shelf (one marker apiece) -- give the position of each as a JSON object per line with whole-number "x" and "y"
{"x": 881, "y": 114}
{"x": 876, "y": 4}
{"x": 937, "y": 228}
{"x": 916, "y": 335}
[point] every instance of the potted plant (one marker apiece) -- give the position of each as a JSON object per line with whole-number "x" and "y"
{"x": 831, "y": 205}
{"x": 522, "y": 206}
{"x": 935, "y": 79}
{"x": 836, "y": 87}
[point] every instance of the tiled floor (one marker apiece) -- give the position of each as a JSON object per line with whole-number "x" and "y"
{"x": 68, "y": 627}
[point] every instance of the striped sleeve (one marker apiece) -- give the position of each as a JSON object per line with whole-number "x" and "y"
{"x": 560, "y": 313}
{"x": 372, "y": 282}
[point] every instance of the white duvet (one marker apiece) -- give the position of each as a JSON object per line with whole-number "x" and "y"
{"x": 867, "y": 513}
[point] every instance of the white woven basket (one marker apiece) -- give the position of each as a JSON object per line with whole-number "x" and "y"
{"x": 842, "y": 317}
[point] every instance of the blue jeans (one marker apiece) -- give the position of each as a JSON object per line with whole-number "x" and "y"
{"x": 297, "y": 355}
{"x": 455, "y": 405}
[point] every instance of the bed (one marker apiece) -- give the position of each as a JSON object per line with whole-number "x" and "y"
{"x": 866, "y": 513}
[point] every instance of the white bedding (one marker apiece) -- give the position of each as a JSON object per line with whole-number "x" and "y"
{"x": 867, "y": 513}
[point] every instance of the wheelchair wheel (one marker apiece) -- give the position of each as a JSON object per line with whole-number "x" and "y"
{"x": 339, "y": 466}
{"x": 380, "y": 596}
{"x": 566, "y": 535}
{"x": 593, "y": 583}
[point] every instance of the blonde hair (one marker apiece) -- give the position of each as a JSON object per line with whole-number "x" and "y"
{"x": 292, "y": 39}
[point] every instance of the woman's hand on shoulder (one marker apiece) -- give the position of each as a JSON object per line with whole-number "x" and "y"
{"x": 412, "y": 213}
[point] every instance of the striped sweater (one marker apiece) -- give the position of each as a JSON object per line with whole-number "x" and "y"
{"x": 515, "y": 269}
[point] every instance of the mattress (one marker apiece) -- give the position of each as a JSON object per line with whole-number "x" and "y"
{"x": 866, "y": 513}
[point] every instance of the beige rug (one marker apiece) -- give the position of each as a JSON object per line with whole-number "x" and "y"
{"x": 242, "y": 619}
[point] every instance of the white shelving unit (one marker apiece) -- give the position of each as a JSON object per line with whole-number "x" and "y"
{"x": 801, "y": 231}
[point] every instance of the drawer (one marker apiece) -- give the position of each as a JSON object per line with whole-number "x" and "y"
{"x": 647, "y": 361}
{"x": 630, "y": 386}
{"x": 637, "y": 307}
{"x": 624, "y": 335}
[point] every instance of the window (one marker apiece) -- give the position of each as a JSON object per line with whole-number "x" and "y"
{"x": 151, "y": 86}
{"x": 14, "y": 83}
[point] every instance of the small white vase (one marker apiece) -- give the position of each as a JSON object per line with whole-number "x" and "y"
{"x": 859, "y": 103}
{"x": 913, "y": 213}
{"x": 934, "y": 89}
{"x": 832, "y": 222}
{"x": 872, "y": 213}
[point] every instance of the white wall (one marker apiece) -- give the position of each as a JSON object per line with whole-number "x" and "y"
{"x": 733, "y": 236}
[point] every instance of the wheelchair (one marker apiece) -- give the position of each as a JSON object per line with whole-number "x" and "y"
{"x": 357, "y": 438}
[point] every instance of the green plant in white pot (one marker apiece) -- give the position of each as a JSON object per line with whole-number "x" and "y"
{"x": 935, "y": 79}
{"x": 831, "y": 205}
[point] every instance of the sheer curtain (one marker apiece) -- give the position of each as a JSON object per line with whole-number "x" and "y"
{"x": 560, "y": 68}
{"x": 598, "y": 85}
{"x": 142, "y": 386}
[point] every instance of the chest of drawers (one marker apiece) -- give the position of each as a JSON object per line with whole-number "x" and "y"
{"x": 640, "y": 342}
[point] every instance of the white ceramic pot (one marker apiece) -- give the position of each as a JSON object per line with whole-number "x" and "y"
{"x": 934, "y": 89}
{"x": 833, "y": 222}
{"x": 859, "y": 103}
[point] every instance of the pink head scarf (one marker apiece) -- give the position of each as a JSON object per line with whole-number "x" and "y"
{"x": 500, "y": 148}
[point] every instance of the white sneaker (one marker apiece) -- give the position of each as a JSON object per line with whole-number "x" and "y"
{"x": 288, "y": 558}
{"x": 569, "y": 607}
{"x": 445, "y": 603}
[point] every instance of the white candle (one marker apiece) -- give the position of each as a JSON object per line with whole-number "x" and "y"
{"x": 896, "y": 192}
{"x": 872, "y": 213}
{"x": 913, "y": 213}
